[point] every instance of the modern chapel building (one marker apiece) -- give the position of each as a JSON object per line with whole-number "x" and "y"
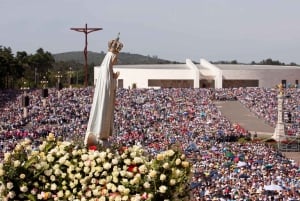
{"x": 204, "y": 75}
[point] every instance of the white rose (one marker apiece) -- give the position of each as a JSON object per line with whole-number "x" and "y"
{"x": 84, "y": 157}
{"x": 48, "y": 172}
{"x": 102, "y": 155}
{"x": 185, "y": 164}
{"x": 102, "y": 181}
{"x": 86, "y": 170}
{"x": 129, "y": 174}
{"x": 162, "y": 177}
{"x": 23, "y": 189}
{"x": 60, "y": 194}
{"x": 146, "y": 185}
{"x": 106, "y": 166}
{"x": 11, "y": 194}
{"x": 67, "y": 193}
{"x": 163, "y": 189}
{"x": 170, "y": 152}
{"x": 53, "y": 186}
{"x": 74, "y": 152}
{"x": 44, "y": 165}
{"x": 152, "y": 173}
{"x": 52, "y": 178}
{"x": 115, "y": 179}
{"x": 172, "y": 182}
{"x": 127, "y": 161}
{"x": 78, "y": 176}
{"x": 17, "y": 163}
{"x": 113, "y": 188}
{"x": 109, "y": 155}
{"x": 126, "y": 191}
{"x": 122, "y": 173}
{"x": 138, "y": 160}
{"x": 9, "y": 185}
{"x": 102, "y": 198}
{"x": 115, "y": 173}
{"x": 121, "y": 188}
{"x": 143, "y": 169}
{"x": 178, "y": 161}
{"x": 93, "y": 163}
{"x": 132, "y": 154}
{"x": 34, "y": 191}
{"x": 7, "y": 156}
{"x": 67, "y": 163}
{"x": 114, "y": 161}
{"x": 38, "y": 166}
{"x": 50, "y": 158}
{"x": 96, "y": 192}
{"x": 160, "y": 157}
{"x": 22, "y": 176}
{"x": 166, "y": 165}
{"x": 57, "y": 172}
{"x": 124, "y": 181}
{"x": 80, "y": 164}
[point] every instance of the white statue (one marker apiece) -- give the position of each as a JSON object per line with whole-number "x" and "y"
{"x": 100, "y": 125}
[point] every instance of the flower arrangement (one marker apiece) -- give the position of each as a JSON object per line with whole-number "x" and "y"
{"x": 60, "y": 170}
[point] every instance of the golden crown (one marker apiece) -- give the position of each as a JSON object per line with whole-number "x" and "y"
{"x": 115, "y": 45}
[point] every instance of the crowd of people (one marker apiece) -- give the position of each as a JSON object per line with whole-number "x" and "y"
{"x": 224, "y": 169}
{"x": 263, "y": 103}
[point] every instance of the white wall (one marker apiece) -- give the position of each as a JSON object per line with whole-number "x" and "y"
{"x": 267, "y": 78}
{"x": 141, "y": 76}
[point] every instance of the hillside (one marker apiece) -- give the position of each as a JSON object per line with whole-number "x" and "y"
{"x": 96, "y": 58}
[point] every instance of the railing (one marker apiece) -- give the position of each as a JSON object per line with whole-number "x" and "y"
{"x": 295, "y": 147}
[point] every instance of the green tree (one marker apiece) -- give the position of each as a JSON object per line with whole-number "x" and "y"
{"x": 8, "y": 67}
{"x": 41, "y": 63}
{"x": 271, "y": 62}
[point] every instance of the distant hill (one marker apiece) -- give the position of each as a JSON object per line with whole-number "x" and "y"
{"x": 96, "y": 58}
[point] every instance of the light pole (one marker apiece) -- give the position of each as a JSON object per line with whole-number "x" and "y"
{"x": 25, "y": 99}
{"x": 70, "y": 72}
{"x": 44, "y": 83}
{"x": 59, "y": 85}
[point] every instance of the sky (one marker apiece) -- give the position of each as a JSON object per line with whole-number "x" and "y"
{"x": 242, "y": 30}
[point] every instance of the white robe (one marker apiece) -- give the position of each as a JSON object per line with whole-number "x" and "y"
{"x": 101, "y": 115}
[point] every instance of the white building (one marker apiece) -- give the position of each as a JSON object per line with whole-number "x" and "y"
{"x": 204, "y": 75}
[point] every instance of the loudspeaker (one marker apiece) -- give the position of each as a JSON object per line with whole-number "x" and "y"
{"x": 289, "y": 117}
{"x": 45, "y": 93}
{"x": 283, "y": 82}
{"x": 25, "y": 101}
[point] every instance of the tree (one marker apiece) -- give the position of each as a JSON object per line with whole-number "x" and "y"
{"x": 41, "y": 63}
{"x": 7, "y": 67}
{"x": 271, "y": 62}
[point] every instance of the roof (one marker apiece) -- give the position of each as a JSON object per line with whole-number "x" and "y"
{"x": 254, "y": 67}
{"x": 154, "y": 66}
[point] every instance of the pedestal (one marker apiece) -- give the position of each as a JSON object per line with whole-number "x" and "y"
{"x": 25, "y": 112}
{"x": 44, "y": 102}
{"x": 279, "y": 133}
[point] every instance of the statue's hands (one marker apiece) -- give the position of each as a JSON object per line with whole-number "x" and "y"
{"x": 116, "y": 75}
